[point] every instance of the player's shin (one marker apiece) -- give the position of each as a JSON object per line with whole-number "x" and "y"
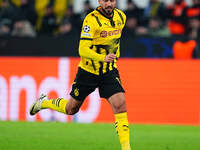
{"x": 58, "y": 104}
{"x": 122, "y": 128}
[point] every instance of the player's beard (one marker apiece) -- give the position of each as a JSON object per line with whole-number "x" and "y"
{"x": 108, "y": 13}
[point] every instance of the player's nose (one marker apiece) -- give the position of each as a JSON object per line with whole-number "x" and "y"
{"x": 109, "y": 4}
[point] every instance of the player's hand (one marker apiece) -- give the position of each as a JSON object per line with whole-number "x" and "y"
{"x": 110, "y": 57}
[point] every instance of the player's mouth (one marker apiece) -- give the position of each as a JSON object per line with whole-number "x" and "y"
{"x": 109, "y": 9}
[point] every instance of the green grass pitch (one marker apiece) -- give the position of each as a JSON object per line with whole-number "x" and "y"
{"x": 74, "y": 136}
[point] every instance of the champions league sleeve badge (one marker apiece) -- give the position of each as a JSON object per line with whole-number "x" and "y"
{"x": 86, "y": 28}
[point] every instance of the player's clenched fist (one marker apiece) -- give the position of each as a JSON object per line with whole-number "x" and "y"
{"x": 110, "y": 57}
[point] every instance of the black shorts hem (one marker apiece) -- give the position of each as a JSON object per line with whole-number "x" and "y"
{"x": 111, "y": 94}
{"x": 77, "y": 99}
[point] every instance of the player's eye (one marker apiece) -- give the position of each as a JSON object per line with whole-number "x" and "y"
{"x": 109, "y": 0}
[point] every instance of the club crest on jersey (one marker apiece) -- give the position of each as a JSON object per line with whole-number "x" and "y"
{"x": 86, "y": 28}
{"x": 119, "y": 23}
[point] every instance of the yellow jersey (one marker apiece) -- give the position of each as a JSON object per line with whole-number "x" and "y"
{"x": 100, "y": 36}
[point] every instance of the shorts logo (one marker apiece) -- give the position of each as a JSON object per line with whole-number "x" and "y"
{"x": 76, "y": 92}
{"x": 118, "y": 80}
{"x": 86, "y": 28}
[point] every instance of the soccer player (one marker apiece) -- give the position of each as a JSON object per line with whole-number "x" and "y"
{"x": 99, "y": 49}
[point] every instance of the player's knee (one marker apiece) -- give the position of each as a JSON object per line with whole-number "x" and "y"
{"x": 120, "y": 107}
{"x": 72, "y": 111}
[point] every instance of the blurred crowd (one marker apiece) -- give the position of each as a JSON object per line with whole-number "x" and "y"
{"x": 31, "y": 18}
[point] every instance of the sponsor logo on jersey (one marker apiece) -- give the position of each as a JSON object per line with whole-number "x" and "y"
{"x": 103, "y": 34}
{"x": 110, "y": 33}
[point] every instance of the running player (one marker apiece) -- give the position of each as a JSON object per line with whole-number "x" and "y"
{"x": 99, "y": 49}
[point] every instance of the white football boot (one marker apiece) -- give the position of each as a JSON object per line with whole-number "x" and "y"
{"x": 36, "y": 106}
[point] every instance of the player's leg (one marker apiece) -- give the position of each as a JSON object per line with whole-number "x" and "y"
{"x": 69, "y": 107}
{"x": 117, "y": 102}
{"x": 62, "y": 105}
{"x": 112, "y": 90}
{"x": 73, "y": 106}
{"x": 84, "y": 84}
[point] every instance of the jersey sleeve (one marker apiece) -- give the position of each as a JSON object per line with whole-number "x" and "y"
{"x": 88, "y": 28}
{"x": 124, "y": 17}
{"x": 118, "y": 52}
{"x": 86, "y": 38}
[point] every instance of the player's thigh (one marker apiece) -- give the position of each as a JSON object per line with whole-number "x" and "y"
{"x": 117, "y": 102}
{"x": 84, "y": 84}
{"x": 110, "y": 85}
{"x": 78, "y": 94}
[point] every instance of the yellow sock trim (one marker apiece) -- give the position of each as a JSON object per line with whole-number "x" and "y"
{"x": 122, "y": 128}
{"x": 58, "y": 104}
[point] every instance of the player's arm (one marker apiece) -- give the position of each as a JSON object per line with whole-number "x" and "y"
{"x": 124, "y": 17}
{"x": 118, "y": 52}
{"x": 86, "y": 52}
{"x": 87, "y": 34}
{"x": 124, "y": 22}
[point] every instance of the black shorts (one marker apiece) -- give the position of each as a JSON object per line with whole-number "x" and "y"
{"x": 85, "y": 83}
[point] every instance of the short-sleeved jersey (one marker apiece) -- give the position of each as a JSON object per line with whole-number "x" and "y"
{"x": 100, "y": 36}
